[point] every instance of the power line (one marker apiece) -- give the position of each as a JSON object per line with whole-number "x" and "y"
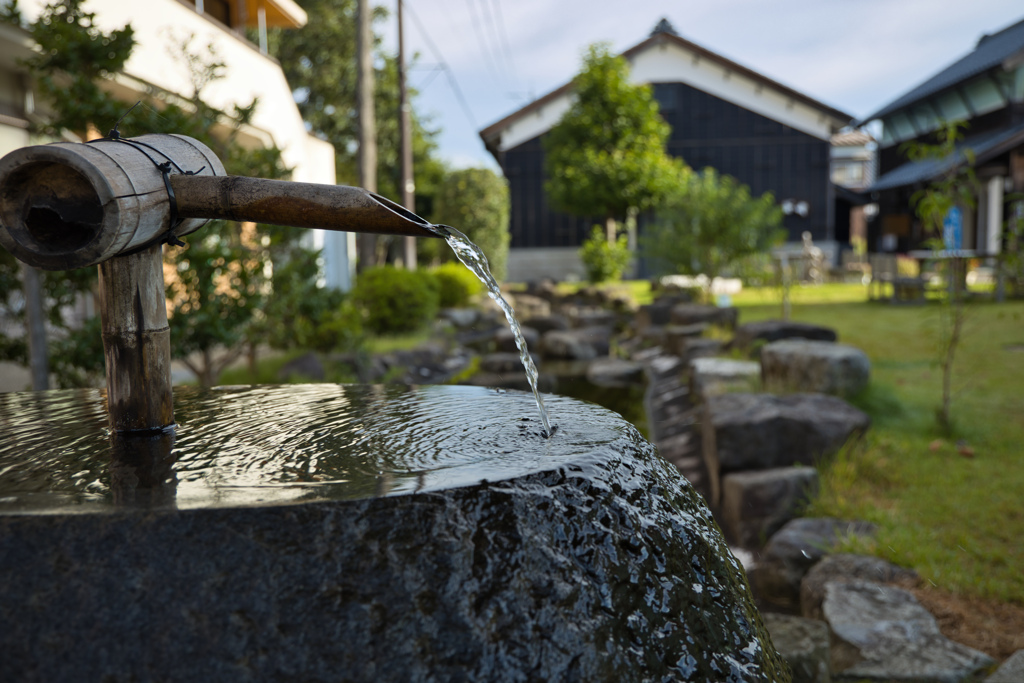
{"x": 504, "y": 41}
{"x": 492, "y": 63}
{"x": 449, "y": 74}
{"x": 492, "y": 38}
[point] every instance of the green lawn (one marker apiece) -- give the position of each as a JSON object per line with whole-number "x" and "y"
{"x": 957, "y": 519}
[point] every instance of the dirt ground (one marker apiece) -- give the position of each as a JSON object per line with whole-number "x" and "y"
{"x": 995, "y": 628}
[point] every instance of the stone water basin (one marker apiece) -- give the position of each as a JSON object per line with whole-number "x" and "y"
{"x": 363, "y": 533}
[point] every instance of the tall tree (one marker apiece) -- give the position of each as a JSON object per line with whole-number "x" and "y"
{"x": 607, "y": 153}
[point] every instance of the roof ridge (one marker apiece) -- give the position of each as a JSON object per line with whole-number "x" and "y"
{"x": 985, "y": 37}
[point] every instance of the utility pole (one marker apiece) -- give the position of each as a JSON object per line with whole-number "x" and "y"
{"x": 405, "y": 145}
{"x": 367, "y": 122}
{"x": 35, "y": 322}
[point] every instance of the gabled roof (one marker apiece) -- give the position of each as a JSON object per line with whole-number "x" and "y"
{"x": 983, "y": 146}
{"x": 664, "y": 33}
{"x": 1006, "y": 47}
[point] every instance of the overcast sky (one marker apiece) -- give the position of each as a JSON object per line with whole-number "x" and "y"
{"x": 855, "y": 55}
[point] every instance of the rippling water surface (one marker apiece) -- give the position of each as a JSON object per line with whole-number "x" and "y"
{"x": 279, "y": 444}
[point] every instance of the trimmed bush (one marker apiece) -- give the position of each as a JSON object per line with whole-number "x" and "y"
{"x": 457, "y": 284}
{"x": 396, "y": 301}
{"x": 604, "y": 260}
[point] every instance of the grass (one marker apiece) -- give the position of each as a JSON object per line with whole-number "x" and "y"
{"x": 949, "y": 505}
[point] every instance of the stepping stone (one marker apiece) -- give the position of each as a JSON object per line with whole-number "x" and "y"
{"x": 803, "y": 643}
{"x": 761, "y": 431}
{"x": 716, "y": 376}
{"x": 816, "y": 366}
{"x": 792, "y": 551}
{"x": 1011, "y": 671}
{"x": 749, "y": 334}
{"x": 883, "y": 633}
{"x": 689, "y": 314}
{"x": 846, "y": 567}
{"x": 756, "y": 504}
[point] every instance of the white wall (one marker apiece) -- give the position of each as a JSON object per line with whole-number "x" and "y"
{"x": 671, "y": 63}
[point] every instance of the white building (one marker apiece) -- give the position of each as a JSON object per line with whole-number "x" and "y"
{"x": 156, "y": 63}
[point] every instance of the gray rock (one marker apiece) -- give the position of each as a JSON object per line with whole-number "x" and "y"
{"x": 689, "y": 349}
{"x": 816, "y": 366}
{"x": 756, "y": 504}
{"x": 716, "y": 376}
{"x": 883, "y": 633}
{"x": 792, "y": 551}
{"x": 505, "y": 342}
{"x": 845, "y": 567}
{"x": 749, "y": 334}
{"x": 608, "y": 567}
{"x": 615, "y": 372}
{"x": 658, "y": 314}
{"x": 803, "y": 643}
{"x": 529, "y": 306}
{"x": 599, "y": 318}
{"x": 1010, "y": 671}
{"x": 306, "y": 366}
{"x": 761, "y": 431}
{"x": 461, "y": 317}
{"x": 689, "y": 314}
{"x": 504, "y": 362}
{"x": 584, "y": 343}
{"x": 546, "y": 323}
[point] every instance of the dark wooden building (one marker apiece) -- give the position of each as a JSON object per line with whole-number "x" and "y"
{"x": 985, "y": 88}
{"x": 722, "y": 114}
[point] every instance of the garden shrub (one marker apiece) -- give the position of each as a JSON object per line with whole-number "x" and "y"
{"x": 457, "y": 284}
{"x": 604, "y": 260}
{"x": 396, "y": 301}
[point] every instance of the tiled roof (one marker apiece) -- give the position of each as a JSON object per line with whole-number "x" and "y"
{"x": 984, "y": 146}
{"x": 852, "y": 138}
{"x": 665, "y": 33}
{"x": 991, "y": 50}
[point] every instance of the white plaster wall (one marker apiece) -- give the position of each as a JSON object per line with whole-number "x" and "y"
{"x": 671, "y": 63}
{"x": 557, "y": 263}
{"x": 160, "y": 25}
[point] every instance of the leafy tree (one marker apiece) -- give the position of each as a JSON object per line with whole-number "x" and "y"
{"x": 475, "y": 202}
{"x": 319, "y": 61}
{"x": 708, "y": 222}
{"x": 956, "y": 186}
{"x": 607, "y": 153}
{"x": 219, "y": 278}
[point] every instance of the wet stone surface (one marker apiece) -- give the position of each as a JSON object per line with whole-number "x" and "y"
{"x": 585, "y": 559}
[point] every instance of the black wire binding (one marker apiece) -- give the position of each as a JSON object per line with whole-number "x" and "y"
{"x": 114, "y": 135}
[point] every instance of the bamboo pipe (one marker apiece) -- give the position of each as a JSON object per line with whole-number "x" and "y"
{"x": 115, "y": 202}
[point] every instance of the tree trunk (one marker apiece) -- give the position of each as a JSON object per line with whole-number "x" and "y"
{"x": 35, "y": 322}
{"x": 610, "y": 229}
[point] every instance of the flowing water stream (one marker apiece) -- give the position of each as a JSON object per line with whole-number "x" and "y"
{"x": 474, "y": 259}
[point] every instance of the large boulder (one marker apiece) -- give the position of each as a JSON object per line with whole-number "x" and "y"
{"x": 816, "y": 366}
{"x": 882, "y": 633}
{"x": 689, "y": 314}
{"x": 691, "y": 348}
{"x": 792, "y": 551}
{"x": 584, "y": 343}
{"x": 756, "y": 504}
{"x": 716, "y": 376}
{"x": 657, "y": 314}
{"x": 803, "y": 643}
{"x": 762, "y": 431}
{"x": 581, "y": 558}
{"x": 765, "y": 331}
{"x": 546, "y": 323}
{"x": 846, "y": 567}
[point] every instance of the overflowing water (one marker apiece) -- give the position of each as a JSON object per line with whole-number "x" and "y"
{"x": 474, "y": 259}
{"x": 259, "y": 445}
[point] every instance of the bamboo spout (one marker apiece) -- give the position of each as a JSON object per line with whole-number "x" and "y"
{"x": 300, "y": 205}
